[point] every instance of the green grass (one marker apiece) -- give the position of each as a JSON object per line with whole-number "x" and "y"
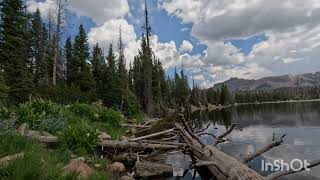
{"x": 76, "y": 127}
{"x": 38, "y": 163}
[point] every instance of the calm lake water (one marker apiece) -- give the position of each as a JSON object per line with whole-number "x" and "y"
{"x": 257, "y": 123}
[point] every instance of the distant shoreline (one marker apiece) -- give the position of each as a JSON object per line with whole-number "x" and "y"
{"x": 215, "y": 107}
{"x": 277, "y": 102}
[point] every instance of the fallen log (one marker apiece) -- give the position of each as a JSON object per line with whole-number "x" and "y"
{"x": 108, "y": 144}
{"x": 149, "y": 169}
{"x": 152, "y": 135}
{"x": 228, "y": 167}
{"x": 136, "y": 126}
{"x": 7, "y": 159}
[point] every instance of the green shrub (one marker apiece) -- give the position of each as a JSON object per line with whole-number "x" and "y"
{"x": 84, "y": 111}
{"x": 4, "y": 113}
{"x": 52, "y": 124}
{"x": 32, "y": 112}
{"x": 79, "y": 137}
{"x": 111, "y": 117}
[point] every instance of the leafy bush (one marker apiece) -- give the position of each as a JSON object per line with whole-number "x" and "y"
{"x": 4, "y": 113}
{"x": 53, "y": 125}
{"x": 84, "y": 111}
{"x": 79, "y": 137}
{"x": 111, "y": 117}
{"x": 32, "y": 112}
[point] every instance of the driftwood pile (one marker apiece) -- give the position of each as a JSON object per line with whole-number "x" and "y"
{"x": 141, "y": 154}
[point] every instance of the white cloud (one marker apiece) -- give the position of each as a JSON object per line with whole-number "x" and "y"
{"x": 101, "y": 10}
{"x": 108, "y": 33}
{"x": 45, "y": 7}
{"x": 186, "y": 46}
{"x": 291, "y": 27}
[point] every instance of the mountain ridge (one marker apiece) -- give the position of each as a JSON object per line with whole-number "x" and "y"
{"x": 272, "y": 82}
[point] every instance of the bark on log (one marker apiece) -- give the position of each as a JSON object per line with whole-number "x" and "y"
{"x": 48, "y": 140}
{"x": 136, "y": 126}
{"x": 152, "y": 135}
{"x": 229, "y": 167}
{"x": 134, "y": 145}
{"x": 6, "y": 160}
{"x": 149, "y": 169}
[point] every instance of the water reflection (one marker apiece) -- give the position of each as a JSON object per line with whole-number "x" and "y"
{"x": 301, "y": 121}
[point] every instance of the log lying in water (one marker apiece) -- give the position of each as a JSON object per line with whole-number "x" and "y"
{"x": 223, "y": 166}
{"x": 148, "y": 169}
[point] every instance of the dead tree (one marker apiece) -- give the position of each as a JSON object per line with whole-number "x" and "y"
{"x": 223, "y": 166}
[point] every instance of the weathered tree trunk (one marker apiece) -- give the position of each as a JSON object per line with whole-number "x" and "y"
{"x": 222, "y": 166}
{"x": 134, "y": 145}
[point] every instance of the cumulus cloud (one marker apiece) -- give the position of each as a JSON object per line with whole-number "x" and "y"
{"x": 45, "y": 7}
{"x": 186, "y": 46}
{"x": 108, "y": 33}
{"x": 100, "y": 11}
{"x": 291, "y": 27}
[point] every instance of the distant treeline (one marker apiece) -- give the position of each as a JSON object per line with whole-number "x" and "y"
{"x": 225, "y": 97}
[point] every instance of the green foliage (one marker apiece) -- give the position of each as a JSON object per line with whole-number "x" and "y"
{"x": 3, "y": 90}
{"x": 33, "y": 112}
{"x": 53, "y": 124}
{"x": 4, "y": 112}
{"x": 79, "y": 137}
{"x": 14, "y": 33}
{"x": 38, "y": 163}
{"x": 111, "y": 117}
{"x": 84, "y": 111}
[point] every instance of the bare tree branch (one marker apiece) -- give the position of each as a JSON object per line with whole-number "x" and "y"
{"x": 220, "y": 138}
{"x": 274, "y": 144}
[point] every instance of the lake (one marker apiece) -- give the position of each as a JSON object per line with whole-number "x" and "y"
{"x": 257, "y": 124}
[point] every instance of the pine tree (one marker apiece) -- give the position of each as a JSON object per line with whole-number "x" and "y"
{"x": 70, "y": 61}
{"x": 122, "y": 72}
{"x": 98, "y": 63}
{"x": 39, "y": 37}
{"x": 14, "y": 51}
{"x": 85, "y": 79}
{"x": 3, "y": 90}
{"x": 111, "y": 94}
{"x": 147, "y": 65}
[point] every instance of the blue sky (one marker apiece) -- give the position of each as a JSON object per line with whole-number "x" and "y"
{"x": 215, "y": 40}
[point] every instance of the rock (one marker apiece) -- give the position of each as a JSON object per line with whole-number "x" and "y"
{"x": 23, "y": 128}
{"x": 104, "y": 136}
{"x": 117, "y": 167}
{"x": 79, "y": 167}
{"x": 132, "y": 137}
{"x": 80, "y": 159}
{"x": 127, "y": 178}
{"x": 97, "y": 165}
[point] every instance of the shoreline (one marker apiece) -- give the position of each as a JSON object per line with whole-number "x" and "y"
{"x": 211, "y": 107}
